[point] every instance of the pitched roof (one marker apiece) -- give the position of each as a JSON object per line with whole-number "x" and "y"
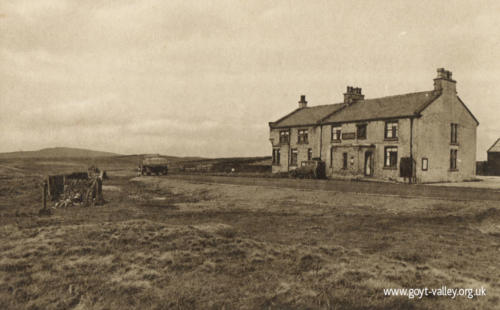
{"x": 475, "y": 119}
{"x": 495, "y": 147}
{"x": 385, "y": 107}
{"x": 307, "y": 116}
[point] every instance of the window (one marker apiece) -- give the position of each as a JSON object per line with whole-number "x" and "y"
{"x": 336, "y": 132}
{"x": 276, "y": 156}
{"x": 361, "y": 132}
{"x": 453, "y": 159}
{"x": 391, "y": 130}
{"x": 454, "y": 133}
{"x": 391, "y": 157}
{"x": 303, "y": 136}
{"x": 309, "y": 154}
{"x": 425, "y": 164}
{"x": 294, "y": 157}
{"x": 284, "y": 136}
{"x": 344, "y": 160}
{"x": 331, "y": 157}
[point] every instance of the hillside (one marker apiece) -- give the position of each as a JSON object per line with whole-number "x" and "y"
{"x": 58, "y": 152}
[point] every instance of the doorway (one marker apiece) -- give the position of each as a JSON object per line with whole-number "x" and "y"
{"x": 369, "y": 163}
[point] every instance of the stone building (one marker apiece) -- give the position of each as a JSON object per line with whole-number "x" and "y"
{"x": 427, "y": 136}
{"x": 494, "y": 159}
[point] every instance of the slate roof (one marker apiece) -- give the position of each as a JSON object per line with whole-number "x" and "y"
{"x": 398, "y": 106}
{"x": 495, "y": 147}
{"x": 307, "y": 116}
{"x": 385, "y": 107}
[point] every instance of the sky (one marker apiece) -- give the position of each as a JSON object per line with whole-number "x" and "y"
{"x": 204, "y": 78}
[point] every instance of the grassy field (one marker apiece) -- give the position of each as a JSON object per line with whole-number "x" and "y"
{"x": 173, "y": 243}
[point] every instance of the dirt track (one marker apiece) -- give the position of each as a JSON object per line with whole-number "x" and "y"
{"x": 377, "y": 188}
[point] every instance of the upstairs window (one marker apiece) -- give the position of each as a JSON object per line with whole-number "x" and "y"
{"x": 453, "y": 159}
{"x": 302, "y": 136}
{"x": 391, "y": 157}
{"x": 336, "y": 132}
{"x": 361, "y": 131}
{"x": 294, "y": 157}
{"x": 454, "y": 133}
{"x": 309, "y": 154}
{"x": 391, "y": 130}
{"x": 284, "y": 136}
{"x": 276, "y": 156}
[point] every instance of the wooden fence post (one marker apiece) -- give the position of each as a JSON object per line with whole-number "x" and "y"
{"x": 98, "y": 190}
{"x": 44, "y": 194}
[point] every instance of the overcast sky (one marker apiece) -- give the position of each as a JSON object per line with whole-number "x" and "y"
{"x": 204, "y": 78}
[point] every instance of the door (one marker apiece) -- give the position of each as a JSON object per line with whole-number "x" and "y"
{"x": 368, "y": 163}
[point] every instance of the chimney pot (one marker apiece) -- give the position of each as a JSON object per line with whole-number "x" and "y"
{"x": 302, "y": 102}
{"x": 443, "y": 81}
{"x": 353, "y": 94}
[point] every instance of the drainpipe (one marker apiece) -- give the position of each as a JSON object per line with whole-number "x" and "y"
{"x": 289, "y": 154}
{"x": 320, "y": 141}
{"x": 411, "y": 151}
{"x": 289, "y": 149}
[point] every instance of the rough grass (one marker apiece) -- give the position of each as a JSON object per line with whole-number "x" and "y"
{"x": 162, "y": 243}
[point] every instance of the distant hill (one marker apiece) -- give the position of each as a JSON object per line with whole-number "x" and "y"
{"x": 58, "y": 152}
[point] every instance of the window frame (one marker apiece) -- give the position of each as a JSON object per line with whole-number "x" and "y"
{"x": 387, "y": 157}
{"x": 454, "y": 134}
{"x": 293, "y": 152}
{"x": 336, "y": 130}
{"x": 394, "y": 130}
{"x": 276, "y": 156}
{"x": 426, "y": 166}
{"x": 303, "y": 136}
{"x": 284, "y": 133}
{"x": 358, "y": 126}
{"x": 309, "y": 154}
{"x": 453, "y": 159}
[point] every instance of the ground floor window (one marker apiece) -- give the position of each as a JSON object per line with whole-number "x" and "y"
{"x": 276, "y": 156}
{"x": 344, "y": 160}
{"x": 294, "y": 157}
{"x": 453, "y": 159}
{"x": 391, "y": 157}
{"x": 425, "y": 164}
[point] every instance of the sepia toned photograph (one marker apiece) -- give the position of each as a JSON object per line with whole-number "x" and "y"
{"x": 231, "y": 154}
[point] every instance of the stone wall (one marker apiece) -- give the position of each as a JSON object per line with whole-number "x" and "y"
{"x": 433, "y": 141}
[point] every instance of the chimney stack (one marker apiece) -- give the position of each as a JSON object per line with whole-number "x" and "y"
{"x": 444, "y": 82}
{"x": 302, "y": 102}
{"x": 352, "y": 95}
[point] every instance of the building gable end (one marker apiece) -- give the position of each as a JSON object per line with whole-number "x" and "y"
{"x": 494, "y": 144}
{"x": 466, "y": 108}
{"x": 427, "y": 104}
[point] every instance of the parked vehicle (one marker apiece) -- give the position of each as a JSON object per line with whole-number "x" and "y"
{"x": 154, "y": 164}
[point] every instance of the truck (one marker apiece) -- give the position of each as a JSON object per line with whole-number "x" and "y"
{"x": 154, "y": 164}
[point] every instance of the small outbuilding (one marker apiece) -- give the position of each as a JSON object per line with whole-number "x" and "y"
{"x": 494, "y": 158}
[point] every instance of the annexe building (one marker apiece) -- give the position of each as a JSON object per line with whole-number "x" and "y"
{"x": 427, "y": 136}
{"x": 494, "y": 158}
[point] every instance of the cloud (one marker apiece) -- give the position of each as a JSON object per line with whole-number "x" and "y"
{"x": 205, "y": 77}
